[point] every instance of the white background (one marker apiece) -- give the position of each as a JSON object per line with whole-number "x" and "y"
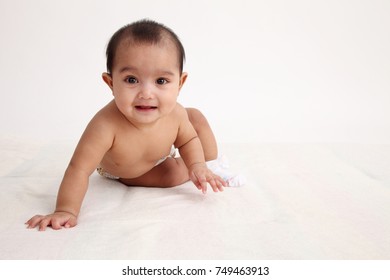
{"x": 264, "y": 71}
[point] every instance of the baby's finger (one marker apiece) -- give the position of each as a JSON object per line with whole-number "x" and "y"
{"x": 56, "y": 224}
{"x": 195, "y": 180}
{"x": 214, "y": 185}
{"x": 200, "y": 181}
{"x": 34, "y": 221}
{"x": 44, "y": 223}
{"x": 204, "y": 187}
{"x": 220, "y": 183}
{"x": 203, "y": 183}
{"x": 217, "y": 183}
{"x": 71, "y": 222}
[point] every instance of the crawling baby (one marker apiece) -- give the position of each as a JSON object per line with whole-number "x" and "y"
{"x": 134, "y": 138}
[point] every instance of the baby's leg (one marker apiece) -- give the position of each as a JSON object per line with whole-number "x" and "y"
{"x": 172, "y": 172}
{"x": 205, "y": 134}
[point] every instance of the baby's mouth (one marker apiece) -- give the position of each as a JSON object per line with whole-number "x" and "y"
{"x": 145, "y": 108}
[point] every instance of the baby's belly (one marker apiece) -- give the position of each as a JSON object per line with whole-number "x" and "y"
{"x": 132, "y": 164}
{"x": 129, "y": 170}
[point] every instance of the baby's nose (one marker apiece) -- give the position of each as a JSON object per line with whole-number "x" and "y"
{"x": 146, "y": 92}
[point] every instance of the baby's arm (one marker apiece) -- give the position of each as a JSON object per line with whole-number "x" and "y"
{"x": 94, "y": 143}
{"x": 191, "y": 151}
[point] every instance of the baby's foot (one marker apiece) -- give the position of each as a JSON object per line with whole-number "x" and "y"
{"x": 220, "y": 167}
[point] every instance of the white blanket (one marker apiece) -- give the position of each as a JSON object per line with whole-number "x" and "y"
{"x": 302, "y": 201}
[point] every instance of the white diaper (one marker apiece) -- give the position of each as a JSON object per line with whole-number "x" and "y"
{"x": 172, "y": 154}
{"x": 103, "y": 173}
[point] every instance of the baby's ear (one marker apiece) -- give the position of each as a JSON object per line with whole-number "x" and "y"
{"x": 107, "y": 79}
{"x": 183, "y": 79}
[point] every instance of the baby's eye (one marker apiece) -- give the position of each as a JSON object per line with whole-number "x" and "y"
{"x": 161, "y": 81}
{"x": 131, "y": 80}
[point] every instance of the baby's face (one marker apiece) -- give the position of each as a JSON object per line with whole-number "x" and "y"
{"x": 146, "y": 81}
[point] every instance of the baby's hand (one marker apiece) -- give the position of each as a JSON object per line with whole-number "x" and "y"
{"x": 57, "y": 220}
{"x": 200, "y": 175}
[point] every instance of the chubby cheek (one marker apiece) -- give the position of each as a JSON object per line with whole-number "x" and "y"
{"x": 168, "y": 104}
{"x": 123, "y": 102}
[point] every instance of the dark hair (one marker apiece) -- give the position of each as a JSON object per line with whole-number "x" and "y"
{"x": 143, "y": 31}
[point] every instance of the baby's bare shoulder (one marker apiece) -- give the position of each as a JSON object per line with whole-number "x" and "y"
{"x": 179, "y": 112}
{"x": 106, "y": 115}
{"x": 104, "y": 122}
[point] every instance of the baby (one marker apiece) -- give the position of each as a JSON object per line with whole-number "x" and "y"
{"x": 133, "y": 138}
